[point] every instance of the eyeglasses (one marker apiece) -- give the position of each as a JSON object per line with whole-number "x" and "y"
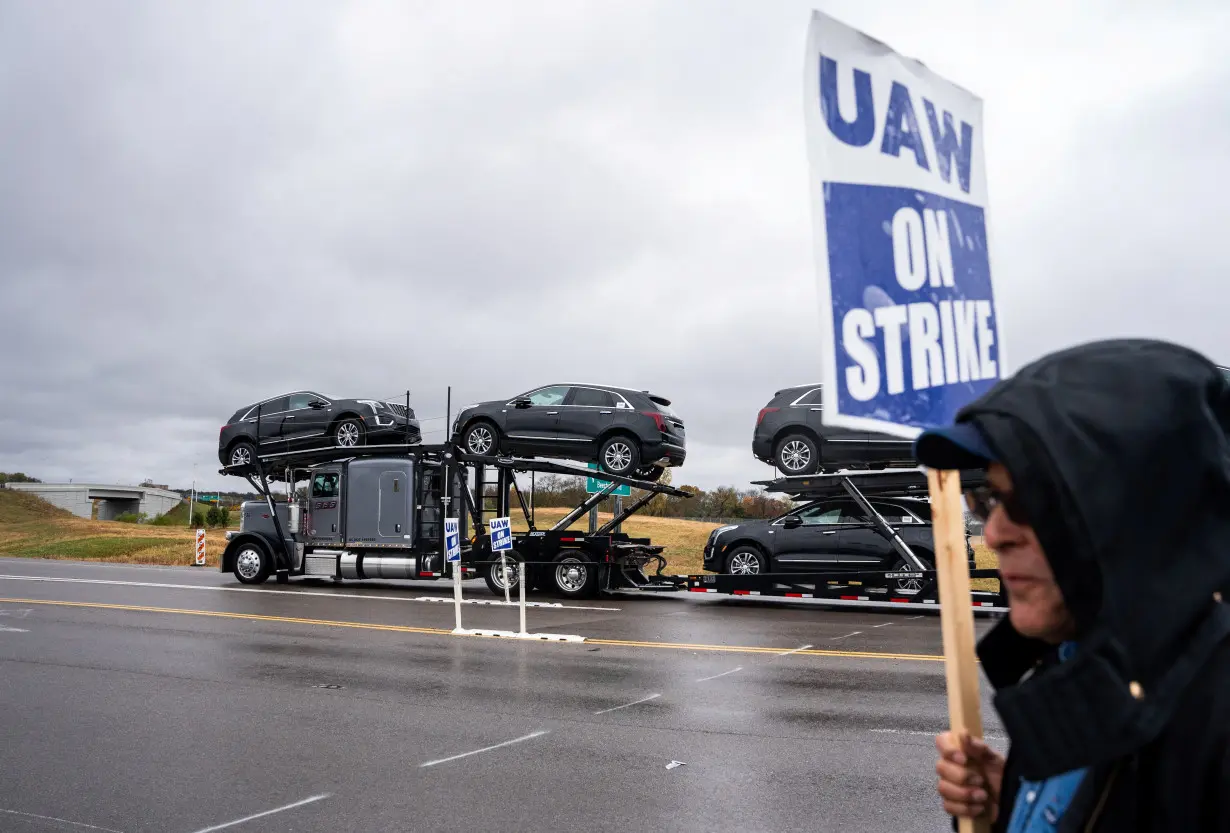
{"x": 982, "y": 500}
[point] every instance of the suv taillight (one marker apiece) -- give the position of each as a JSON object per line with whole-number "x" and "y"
{"x": 763, "y": 411}
{"x": 658, "y": 419}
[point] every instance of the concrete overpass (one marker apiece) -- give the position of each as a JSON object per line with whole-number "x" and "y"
{"x": 113, "y": 501}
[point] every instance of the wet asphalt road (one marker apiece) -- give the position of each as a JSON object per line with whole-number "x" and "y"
{"x": 356, "y": 700}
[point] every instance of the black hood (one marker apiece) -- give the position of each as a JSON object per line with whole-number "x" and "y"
{"x": 1118, "y": 453}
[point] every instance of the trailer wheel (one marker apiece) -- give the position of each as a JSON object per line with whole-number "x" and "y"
{"x": 493, "y": 574}
{"x": 575, "y": 575}
{"x": 252, "y": 564}
{"x": 746, "y": 561}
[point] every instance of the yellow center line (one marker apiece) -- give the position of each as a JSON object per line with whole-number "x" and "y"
{"x": 335, "y": 623}
{"x": 754, "y": 649}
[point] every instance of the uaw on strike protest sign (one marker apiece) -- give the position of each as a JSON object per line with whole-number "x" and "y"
{"x": 899, "y": 200}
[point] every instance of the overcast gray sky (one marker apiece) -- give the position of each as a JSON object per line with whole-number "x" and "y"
{"x": 205, "y": 203}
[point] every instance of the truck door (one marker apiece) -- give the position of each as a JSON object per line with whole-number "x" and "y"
{"x": 396, "y": 499}
{"x": 324, "y": 521}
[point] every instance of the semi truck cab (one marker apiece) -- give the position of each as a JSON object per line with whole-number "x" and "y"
{"x": 371, "y": 517}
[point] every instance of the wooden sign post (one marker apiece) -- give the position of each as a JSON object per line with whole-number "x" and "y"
{"x": 956, "y": 614}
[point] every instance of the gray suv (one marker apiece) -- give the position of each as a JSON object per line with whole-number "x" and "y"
{"x": 790, "y": 437}
{"x": 627, "y": 432}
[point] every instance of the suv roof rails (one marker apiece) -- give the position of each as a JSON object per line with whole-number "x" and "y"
{"x": 876, "y": 483}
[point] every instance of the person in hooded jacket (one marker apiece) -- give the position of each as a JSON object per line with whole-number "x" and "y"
{"x": 1107, "y": 500}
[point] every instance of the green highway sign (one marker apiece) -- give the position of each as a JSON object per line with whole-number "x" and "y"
{"x": 594, "y": 485}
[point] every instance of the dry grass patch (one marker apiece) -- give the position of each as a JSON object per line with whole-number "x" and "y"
{"x": 32, "y": 528}
{"x": 684, "y": 540}
{"x": 984, "y": 559}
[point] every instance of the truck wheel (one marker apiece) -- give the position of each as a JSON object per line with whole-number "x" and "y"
{"x": 797, "y": 454}
{"x": 493, "y": 574}
{"x": 348, "y": 433}
{"x": 252, "y": 564}
{"x": 746, "y": 561}
{"x": 575, "y": 575}
{"x": 620, "y": 454}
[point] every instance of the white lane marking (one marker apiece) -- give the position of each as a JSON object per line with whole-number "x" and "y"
{"x": 437, "y": 599}
{"x": 255, "y": 816}
{"x": 16, "y": 614}
{"x": 847, "y": 636}
{"x": 794, "y": 650}
{"x": 521, "y": 739}
{"x": 925, "y": 734}
{"x": 723, "y": 674}
{"x": 13, "y": 630}
{"x": 60, "y": 821}
{"x": 914, "y": 617}
{"x": 635, "y": 703}
{"x": 885, "y": 625}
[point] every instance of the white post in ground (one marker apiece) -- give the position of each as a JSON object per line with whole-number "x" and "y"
{"x": 452, "y": 552}
{"x": 522, "y": 574}
{"x": 457, "y": 595}
{"x": 504, "y": 572}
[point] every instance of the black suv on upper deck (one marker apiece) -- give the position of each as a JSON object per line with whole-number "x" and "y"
{"x": 790, "y": 436}
{"x": 832, "y": 535}
{"x": 627, "y": 432}
{"x": 305, "y": 419}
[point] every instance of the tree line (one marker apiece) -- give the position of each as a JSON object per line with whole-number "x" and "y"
{"x": 724, "y": 502}
{"x": 16, "y": 477}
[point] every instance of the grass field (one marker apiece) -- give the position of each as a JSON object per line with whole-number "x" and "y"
{"x": 33, "y": 528}
{"x": 30, "y": 527}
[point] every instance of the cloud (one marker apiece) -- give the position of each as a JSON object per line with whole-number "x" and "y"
{"x": 204, "y": 204}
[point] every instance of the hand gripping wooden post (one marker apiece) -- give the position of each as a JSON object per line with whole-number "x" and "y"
{"x": 956, "y": 614}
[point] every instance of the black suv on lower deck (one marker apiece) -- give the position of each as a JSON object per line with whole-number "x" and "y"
{"x": 790, "y": 437}
{"x": 826, "y": 536}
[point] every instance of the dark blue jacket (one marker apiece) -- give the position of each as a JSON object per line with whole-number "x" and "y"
{"x": 1119, "y": 454}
